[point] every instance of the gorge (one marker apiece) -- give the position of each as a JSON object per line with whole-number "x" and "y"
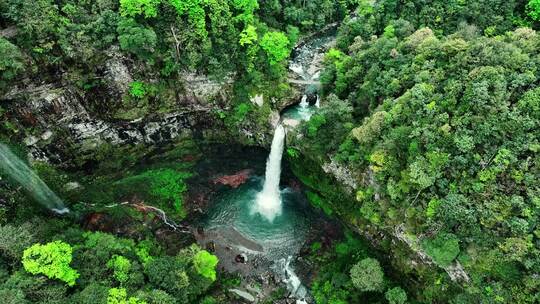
{"x": 249, "y": 151}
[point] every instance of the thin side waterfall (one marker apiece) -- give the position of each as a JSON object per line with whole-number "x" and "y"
{"x": 268, "y": 203}
{"x": 318, "y": 102}
{"x": 304, "y": 104}
{"x": 16, "y": 169}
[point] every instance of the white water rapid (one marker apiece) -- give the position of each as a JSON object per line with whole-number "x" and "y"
{"x": 16, "y": 169}
{"x": 289, "y": 277}
{"x": 268, "y": 203}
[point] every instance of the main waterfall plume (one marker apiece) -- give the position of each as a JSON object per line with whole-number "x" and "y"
{"x": 16, "y": 169}
{"x": 268, "y": 203}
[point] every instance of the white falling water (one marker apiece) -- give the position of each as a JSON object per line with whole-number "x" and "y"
{"x": 289, "y": 277}
{"x": 16, "y": 169}
{"x": 318, "y": 102}
{"x": 268, "y": 202}
{"x": 304, "y": 104}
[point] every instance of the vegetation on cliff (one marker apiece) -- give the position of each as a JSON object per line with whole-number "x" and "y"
{"x": 442, "y": 136}
{"x": 427, "y": 144}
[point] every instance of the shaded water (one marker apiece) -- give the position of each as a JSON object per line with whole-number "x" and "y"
{"x": 299, "y": 112}
{"x": 16, "y": 169}
{"x": 282, "y": 237}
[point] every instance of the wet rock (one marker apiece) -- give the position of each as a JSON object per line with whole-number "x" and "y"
{"x": 243, "y": 294}
{"x": 234, "y": 180}
{"x": 71, "y": 186}
{"x": 257, "y": 100}
{"x": 30, "y": 140}
{"x": 211, "y": 246}
{"x": 241, "y": 258}
{"x": 46, "y": 135}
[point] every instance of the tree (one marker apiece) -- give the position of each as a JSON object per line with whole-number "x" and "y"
{"x": 10, "y": 60}
{"x": 14, "y": 239}
{"x": 396, "y": 295}
{"x": 276, "y": 45}
{"x": 119, "y": 296}
{"x": 12, "y": 296}
{"x": 121, "y": 267}
{"x": 136, "y": 39}
{"x": 367, "y": 275}
{"x": 205, "y": 264}
{"x": 534, "y": 9}
{"x": 52, "y": 260}
{"x": 133, "y": 8}
{"x": 444, "y": 248}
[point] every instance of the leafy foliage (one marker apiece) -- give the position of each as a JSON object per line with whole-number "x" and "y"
{"x": 534, "y": 9}
{"x": 396, "y": 295}
{"x": 276, "y": 45}
{"x": 10, "y": 60}
{"x": 133, "y": 8}
{"x": 367, "y": 275}
{"x": 121, "y": 267}
{"x": 119, "y": 296}
{"x": 162, "y": 186}
{"x": 52, "y": 260}
{"x": 205, "y": 264}
{"x": 443, "y": 249}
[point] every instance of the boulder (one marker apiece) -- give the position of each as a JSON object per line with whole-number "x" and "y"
{"x": 243, "y": 294}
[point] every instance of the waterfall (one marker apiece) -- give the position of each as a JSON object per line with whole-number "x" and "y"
{"x": 268, "y": 203}
{"x": 16, "y": 169}
{"x": 304, "y": 104}
{"x": 318, "y": 102}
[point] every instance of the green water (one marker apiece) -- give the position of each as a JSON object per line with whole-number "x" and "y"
{"x": 299, "y": 113}
{"x": 281, "y": 237}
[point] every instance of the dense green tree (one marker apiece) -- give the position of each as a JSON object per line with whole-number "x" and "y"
{"x": 52, "y": 260}
{"x": 119, "y": 296}
{"x": 136, "y": 39}
{"x": 205, "y": 264}
{"x": 15, "y": 239}
{"x": 396, "y": 295}
{"x": 121, "y": 267}
{"x": 534, "y": 9}
{"x": 11, "y": 62}
{"x": 276, "y": 45}
{"x": 367, "y": 275}
{"x": 133, "y": 8}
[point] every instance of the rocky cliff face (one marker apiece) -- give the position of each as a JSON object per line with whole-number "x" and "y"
{"x": 58, "y": 122}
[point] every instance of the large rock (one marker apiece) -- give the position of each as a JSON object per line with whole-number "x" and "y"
{"x": 66, "y": 124}
{"x": 243, "y": 294}
{"x": 117, "y": 75}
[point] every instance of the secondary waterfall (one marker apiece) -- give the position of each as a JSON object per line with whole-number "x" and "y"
{"x": 303, "y": 103}
{"x": 16, "y": 169}
{"x": 268, "y": 203}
